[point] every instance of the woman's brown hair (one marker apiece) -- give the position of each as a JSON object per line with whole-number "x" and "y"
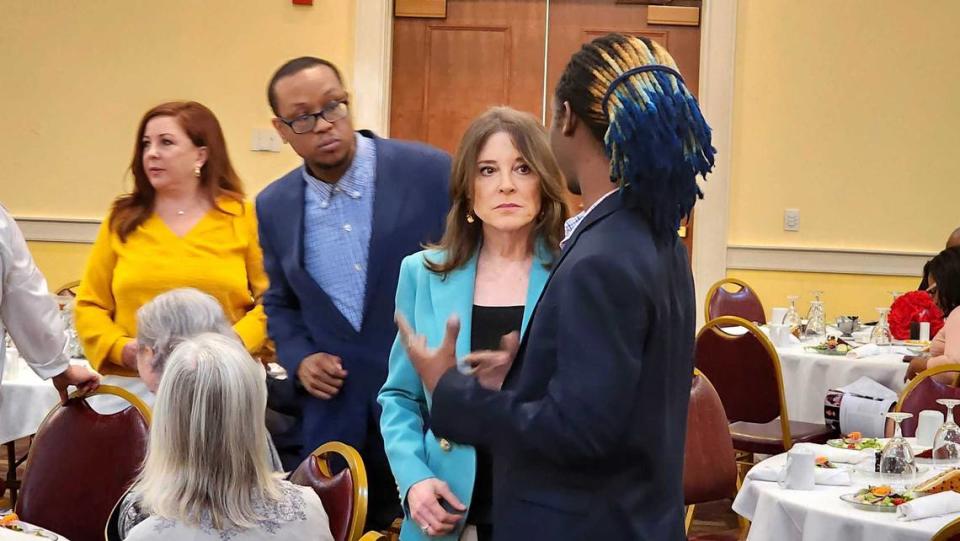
{"x": 217, "y": 176}
{"x": 461, "y": 238}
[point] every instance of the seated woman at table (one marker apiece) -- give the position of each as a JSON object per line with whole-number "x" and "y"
{"x": 162, "y": 324}
{"x": 503, "y": 233}
{"x": 210, "y": 411}
{"x": 944, "y": 286}
{"x": 185, "y": 224}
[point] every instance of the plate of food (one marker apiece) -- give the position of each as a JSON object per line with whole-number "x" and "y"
{"x": 881, "y": 498}
{"x": 857, "y": 442}
{"x": 824, "y": 462}
{"x": 831, "y": 346}
{"x": 11, "y": 522}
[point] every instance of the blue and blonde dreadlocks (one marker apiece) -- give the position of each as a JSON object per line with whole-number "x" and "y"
{"x": 630, "y": 94}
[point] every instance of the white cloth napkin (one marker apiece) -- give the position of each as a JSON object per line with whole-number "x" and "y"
{"x": 942, "y": 503}
{"x": 821, "y": 476}
{"x": 868, "y": 350}
{"x": 836, "y": 454}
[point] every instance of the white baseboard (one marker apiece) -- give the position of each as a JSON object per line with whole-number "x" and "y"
{"x": 828, "y": 260}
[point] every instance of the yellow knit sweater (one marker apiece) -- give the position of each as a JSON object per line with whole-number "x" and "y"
{"x": 220, "y": 256}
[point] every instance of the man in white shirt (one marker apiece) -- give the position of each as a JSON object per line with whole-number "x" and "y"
{"x": 30, "y": 315}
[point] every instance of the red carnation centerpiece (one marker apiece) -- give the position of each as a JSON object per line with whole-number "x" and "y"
{"x": 915, "y": 306}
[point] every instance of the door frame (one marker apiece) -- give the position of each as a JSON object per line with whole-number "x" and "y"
{"x": 373, "y": 55}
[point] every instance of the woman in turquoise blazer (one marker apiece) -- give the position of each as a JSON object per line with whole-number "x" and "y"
{"x": 502, "y": 236}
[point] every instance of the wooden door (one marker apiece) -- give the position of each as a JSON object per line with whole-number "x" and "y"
{"x": 492, "y": 52}
{"x": 575, "y": 22}
{"x": 448, "y": 71}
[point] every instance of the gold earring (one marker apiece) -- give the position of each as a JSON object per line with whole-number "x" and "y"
{"x": 470, "y": 219}
{"x": 196, "y": 171}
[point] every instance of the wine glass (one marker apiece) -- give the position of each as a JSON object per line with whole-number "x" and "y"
{"x": 896, "y": 459}
{"x": 880, "y": 334}
{"x": 816, "y": 321}
{"x": 792, "y": 317}
{"x": 895, "y": 294}
{"x": 946, "y": 443}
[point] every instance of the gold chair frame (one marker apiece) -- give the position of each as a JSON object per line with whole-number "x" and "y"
{"x": 359, "y": 473}
{"x": 716, "y": 286}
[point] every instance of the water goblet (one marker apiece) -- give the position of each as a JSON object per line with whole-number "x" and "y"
{"x": 946, "y": 443}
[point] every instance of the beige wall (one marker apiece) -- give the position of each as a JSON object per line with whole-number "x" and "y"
{"x": 848, "y": 112}
{"x": 841, "y": 109}
{"x": 77, "y": 77}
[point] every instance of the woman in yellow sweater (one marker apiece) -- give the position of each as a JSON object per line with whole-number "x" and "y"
{"x": 186, "y": 224}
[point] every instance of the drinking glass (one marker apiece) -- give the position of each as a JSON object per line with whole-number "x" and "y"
{"x": 896, "y": 459}
{"x": 946, "y": 443}
{"x": 816, "y": 321}
{"x": 792, "y": 319}
{"x": 880, "y": 334}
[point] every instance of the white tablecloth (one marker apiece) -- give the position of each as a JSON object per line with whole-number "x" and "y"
{"x": 797, "y": 515}
{"x": 808, "y": 376}
{"x": 24, "y": 401}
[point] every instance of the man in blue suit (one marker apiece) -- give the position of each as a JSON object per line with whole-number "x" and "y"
{"x": 334, "y": 232}
{"x": 587, "y": 433}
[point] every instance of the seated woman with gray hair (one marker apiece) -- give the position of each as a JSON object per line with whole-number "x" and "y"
{"x": 169, "y": 319}
{"x": 206, "y": 475}
{"x": 162, "y": 324}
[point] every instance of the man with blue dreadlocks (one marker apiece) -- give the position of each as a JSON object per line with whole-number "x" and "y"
{"x": 587, "y": 431}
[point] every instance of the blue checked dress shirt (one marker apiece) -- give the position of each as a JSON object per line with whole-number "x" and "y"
{"x": 338, "y": 219}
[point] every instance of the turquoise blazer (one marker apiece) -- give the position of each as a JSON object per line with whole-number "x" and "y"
{"x": 426, "y": 299}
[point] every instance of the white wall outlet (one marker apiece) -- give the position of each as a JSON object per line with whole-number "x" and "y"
{"x": 791, "y": 220}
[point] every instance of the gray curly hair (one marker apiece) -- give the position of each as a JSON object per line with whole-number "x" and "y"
{"x": 176, "y": 315}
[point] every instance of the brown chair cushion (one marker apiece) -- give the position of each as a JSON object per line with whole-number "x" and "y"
{"x": 767, "y": 438}
{"x": 81, "y": 463}
{"x": 709, "y": 461}
{"x": 336, "y": 493}
{"x": 924, "y": 397}
{"x": 741, "y": 303}
{"x": 742, "y": 372}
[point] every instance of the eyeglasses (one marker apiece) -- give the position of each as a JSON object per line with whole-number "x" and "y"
{"x": 332, "y": 112}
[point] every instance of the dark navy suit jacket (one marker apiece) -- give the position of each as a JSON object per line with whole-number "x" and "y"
{"x": 410, "y": 208}
{"x": 588, "y": 433}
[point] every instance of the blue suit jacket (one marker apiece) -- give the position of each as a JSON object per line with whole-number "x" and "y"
{"x": 410, "y": 207}
{"x": 588, "y": 433}
{"x": 426, "y": 299}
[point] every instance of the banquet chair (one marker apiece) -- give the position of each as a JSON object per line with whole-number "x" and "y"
{"x": 709, "y": 462}
{"x": 922, "y": 393}
{"x": 744, "y": 368}
{"x": 81, "y": 463}
{"x": 344, "y": 493}
{"x": 950, "y": 532}
{"x": 69, "y": 289}
{"x": 741, "y": 302}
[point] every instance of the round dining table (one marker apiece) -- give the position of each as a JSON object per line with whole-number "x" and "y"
{"x": 807, "y": 376}
{"x": 814, "y": 515}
